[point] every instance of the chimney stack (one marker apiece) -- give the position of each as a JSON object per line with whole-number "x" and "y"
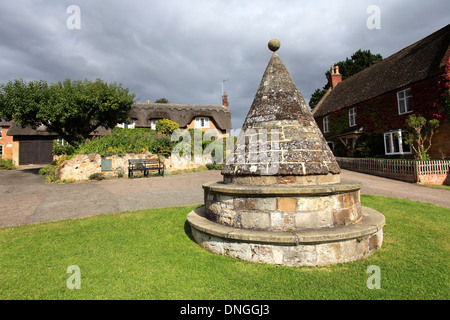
{"x": 225, "y": 100}
{"x": 336, "y": 77}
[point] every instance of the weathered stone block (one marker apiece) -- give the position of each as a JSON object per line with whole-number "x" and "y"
{"x": 282, "y": 221}
{"x": 255, "y": 220}
{"x": 245, "y": 203}
{"x": 286, "y": 180}
{"x": 313, "y": 219}
{"x": 287, "y": 204}
{"x": 266, "y": 204}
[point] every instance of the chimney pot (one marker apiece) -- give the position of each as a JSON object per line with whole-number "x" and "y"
{"x": 336, "y": 77}
{"x": 225, "y": 100}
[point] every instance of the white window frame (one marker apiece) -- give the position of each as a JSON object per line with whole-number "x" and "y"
{"x": 395, "y": 138}
{"x": 153, "y": 124}
{"x": 352, "y": 117}
{"x": 130, "y": 125}
{"x": 404, "y": 98}
{"x": 326, "y": 127}
{"x": 1, "y": 129}
{"x": 201, "y": 123}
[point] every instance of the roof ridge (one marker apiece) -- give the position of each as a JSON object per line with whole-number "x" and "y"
{"x": 413, "y": 63}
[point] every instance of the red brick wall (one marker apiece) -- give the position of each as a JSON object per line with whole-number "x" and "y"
{"x": 440, "y": 179}
{"x": 380, "y": 114}
{"x": 6, "y": 141}
{"x": 440, "y": 143}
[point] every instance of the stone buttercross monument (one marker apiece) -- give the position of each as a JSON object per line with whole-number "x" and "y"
{"x": 281, "y": 200}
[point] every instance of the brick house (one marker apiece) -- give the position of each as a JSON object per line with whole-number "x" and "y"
{"x": 365, "y": 114}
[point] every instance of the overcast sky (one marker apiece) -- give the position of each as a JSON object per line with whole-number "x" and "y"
{"x": 183, "y": 49}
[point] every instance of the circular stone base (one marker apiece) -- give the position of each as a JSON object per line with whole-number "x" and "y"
{"x": 318, "y": 247}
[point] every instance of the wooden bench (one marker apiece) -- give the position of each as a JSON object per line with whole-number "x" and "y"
{"x": 145, "y": 165}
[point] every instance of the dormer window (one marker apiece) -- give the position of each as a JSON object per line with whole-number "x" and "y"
{"x": 130, "y": 125}
{"x": 404, "y": 101}
{"x": 201, "y": 122}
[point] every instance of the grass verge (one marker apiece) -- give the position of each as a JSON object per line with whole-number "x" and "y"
{"x": 149, "y": 254}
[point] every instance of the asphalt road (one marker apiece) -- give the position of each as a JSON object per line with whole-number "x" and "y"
{"x": 25, "y": 197}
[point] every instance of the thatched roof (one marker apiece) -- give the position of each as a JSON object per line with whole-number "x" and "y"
{"x": 17, "y": 130}
{"x": 416, "y": 62}
{"x": 4, "y": 123}
{"x": 182, "y": 114}
{"x": 144, "y": 112}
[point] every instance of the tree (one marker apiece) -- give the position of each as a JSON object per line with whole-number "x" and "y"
{"x": 360, "y": 60}
{"x": 316, "y": 96}
{"x": 162, "y": 100}
{"x": 71, "y": 109}
{"x": 420, "y": 132}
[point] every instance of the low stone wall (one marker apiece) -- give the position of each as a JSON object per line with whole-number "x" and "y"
{"x": 82, "y": 166}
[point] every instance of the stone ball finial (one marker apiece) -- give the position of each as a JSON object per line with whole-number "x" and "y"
{"x": 274, "y": 45}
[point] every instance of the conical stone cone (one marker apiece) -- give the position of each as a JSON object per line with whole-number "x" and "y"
{"x": 279, "y": 135}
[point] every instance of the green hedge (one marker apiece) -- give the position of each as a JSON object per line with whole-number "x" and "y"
{"x": 122, "y": 141}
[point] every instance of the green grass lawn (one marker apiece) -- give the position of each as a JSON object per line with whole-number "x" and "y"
{"x": 149, "y": 254}
{"x": 437, "y": 186}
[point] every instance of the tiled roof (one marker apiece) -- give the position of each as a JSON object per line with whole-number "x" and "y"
{"x": 416, "y": 62}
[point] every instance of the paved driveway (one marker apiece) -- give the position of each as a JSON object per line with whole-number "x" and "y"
{"x": 26, "y": 198}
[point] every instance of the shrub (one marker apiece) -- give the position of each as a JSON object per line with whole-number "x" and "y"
{"x": 6, "y": 164}
{"x": 214, "y": 166}
{"x": 122, "y": 141}
{"x": 166, "y": 126}
{"x": 49, "y": 172}
{"x": 62, "y": 148}
{"x": 97, "y": 176}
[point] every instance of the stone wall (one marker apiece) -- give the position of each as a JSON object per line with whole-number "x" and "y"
{"x": 82, "y": 166}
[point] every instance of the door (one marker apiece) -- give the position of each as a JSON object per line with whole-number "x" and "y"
{"x": 35, "y": 151}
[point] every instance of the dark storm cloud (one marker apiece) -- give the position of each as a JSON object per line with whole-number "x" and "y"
{"x": 183, "y": 50}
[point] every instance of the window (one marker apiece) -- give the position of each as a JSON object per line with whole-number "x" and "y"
{"x": 325, "y": 125}
{"x": 153, "y": 124}
{"x": 404, "y": 101}
{"x": 201, "y": 122}
{"x": 1, "y": 151}
{"x": 394, "y": 142}
{"x": 1, "y": 132}
{"x": 352, "y": 117}
{"x": 130, "y": 125}
{"x": 331, "y": 145}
